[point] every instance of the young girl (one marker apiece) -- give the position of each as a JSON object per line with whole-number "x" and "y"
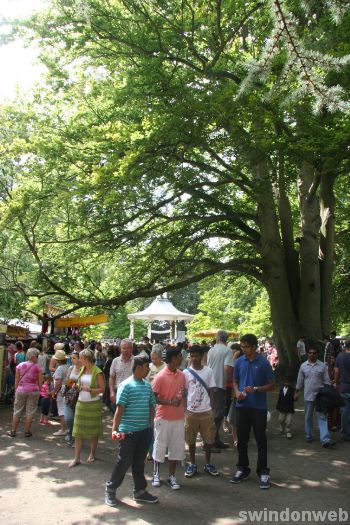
{"x": 45, "y": 400}
{"x": 20, "y": 355}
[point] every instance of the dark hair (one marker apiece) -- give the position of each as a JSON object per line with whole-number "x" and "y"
{"x": 312, "y": 348}
{"x": 80, "y": 344}
{"x": 170, "y": 353}
{"x": 139, "y": 360}
{"x": 197, "y": 349}
{"x": 235, "y": 346}
{"x": 19, "y": 345}
{"x": 251, "y": 339}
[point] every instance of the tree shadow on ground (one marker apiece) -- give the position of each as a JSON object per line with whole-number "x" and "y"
{"x": 304, "y": 477}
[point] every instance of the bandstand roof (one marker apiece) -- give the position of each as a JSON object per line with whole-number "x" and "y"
{"x": 162, "y": 309}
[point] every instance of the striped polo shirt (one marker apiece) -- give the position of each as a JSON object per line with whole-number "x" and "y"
{"x": 137, "y": 397}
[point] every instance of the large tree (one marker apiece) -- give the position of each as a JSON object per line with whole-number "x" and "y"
{"x": 176, "y": 140}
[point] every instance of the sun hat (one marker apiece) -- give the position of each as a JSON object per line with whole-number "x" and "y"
{"x": 58, "y": 346}
{"x": 60, "y": 355}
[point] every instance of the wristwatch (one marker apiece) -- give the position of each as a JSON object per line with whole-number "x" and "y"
{"x": 255, "y": 388}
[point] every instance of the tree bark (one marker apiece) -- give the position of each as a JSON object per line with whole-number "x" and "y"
{"x": 284, "y": 320}
{"x": 327, "y": 206}
{"x": 287, "y": 233}
{"x": 310, "y": 289}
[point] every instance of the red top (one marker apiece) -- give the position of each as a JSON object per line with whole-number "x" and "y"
{"x": 168, "y": 385}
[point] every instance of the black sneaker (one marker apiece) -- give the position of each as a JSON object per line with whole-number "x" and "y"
{"x": 241, "y": 475}
{"x": 264, "y": 481}
{"x": 110, "y": 499}
{"x": 145, "y": 497}
{"x": 328, "y": 444}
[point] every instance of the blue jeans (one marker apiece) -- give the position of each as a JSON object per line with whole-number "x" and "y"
{"x": 345, "y": 416}
{"x": 132, "y": 453}
{"x": 321, "y": 421}
{"x": 69, "y": 418}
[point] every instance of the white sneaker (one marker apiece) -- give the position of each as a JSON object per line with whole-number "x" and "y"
{"x": 156, "y": 480}
{"x": 173, "y": 484}
{"x": 59, "y": 433}
{"x": 289, "y": 435}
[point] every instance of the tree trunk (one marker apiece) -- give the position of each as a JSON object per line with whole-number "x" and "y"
{"x": 310, "y": 289}
{"x": 284, "y": 320}
{"x": 287, "y": 233}
{"x": 327, "y": 205}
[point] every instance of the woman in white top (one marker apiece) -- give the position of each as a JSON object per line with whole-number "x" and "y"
{"x": 69, "y": 410}
{"x": 88, "y": 411}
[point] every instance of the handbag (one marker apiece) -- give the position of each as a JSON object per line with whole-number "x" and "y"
{"x": 71, "y": 394}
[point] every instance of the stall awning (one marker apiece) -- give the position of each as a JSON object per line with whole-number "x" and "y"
{"x": 17, "y": 331}
{"x": 69, "y": 322}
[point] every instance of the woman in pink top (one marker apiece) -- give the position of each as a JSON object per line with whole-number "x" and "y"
{"x": 28, "y": 382}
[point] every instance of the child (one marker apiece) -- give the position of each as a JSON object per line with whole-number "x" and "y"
{"x": 45, "y": 400}
{"x": 285, "y": 406}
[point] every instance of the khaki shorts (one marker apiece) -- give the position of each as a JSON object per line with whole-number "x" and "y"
{"x": 27, "y": 402}
{"x": 202, "y": 422}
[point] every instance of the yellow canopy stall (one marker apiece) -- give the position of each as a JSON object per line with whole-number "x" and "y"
{"x": 208, "y": 334}
{"x": 68, "y": 322}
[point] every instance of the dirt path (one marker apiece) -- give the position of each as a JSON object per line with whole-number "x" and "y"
{"x": 38, "y": 488}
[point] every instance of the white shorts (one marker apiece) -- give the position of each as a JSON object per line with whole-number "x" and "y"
{"x": 60, "y": 404}
{"x": 169, "y": 435}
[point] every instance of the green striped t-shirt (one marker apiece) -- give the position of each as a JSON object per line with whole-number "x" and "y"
{"x": 137, "y": 397}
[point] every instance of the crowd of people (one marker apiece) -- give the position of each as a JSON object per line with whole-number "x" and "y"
{"x": 162, "y": 396}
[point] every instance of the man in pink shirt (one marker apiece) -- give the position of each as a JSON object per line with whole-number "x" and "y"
{"x": 169, "y": 387}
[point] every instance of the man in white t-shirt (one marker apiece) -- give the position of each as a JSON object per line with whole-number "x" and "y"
{"x": 220, "y": 360}
{"x": 121, "y": 368}
{"x": 199, "y": 415}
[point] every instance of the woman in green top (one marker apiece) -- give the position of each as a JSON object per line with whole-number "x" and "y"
{"x": 88, "y": 411}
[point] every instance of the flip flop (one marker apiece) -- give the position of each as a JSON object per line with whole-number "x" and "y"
{"x": 28, "y": 434}
{"x": 12, "y": 433}
{"x": 91, "y": 459}
{"x": 74, "y": 463}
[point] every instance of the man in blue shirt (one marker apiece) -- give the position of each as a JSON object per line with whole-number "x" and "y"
{"x": 252, "y": 378}
{"x": 132, "y": 425}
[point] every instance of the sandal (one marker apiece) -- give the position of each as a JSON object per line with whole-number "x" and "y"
{"x": 74, "y": 463}
{"x": 91, "y": 459}
{"x": 12, "y": 433}
{"x": 28, "y": 434}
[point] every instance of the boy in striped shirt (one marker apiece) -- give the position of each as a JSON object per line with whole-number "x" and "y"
{"x": 132, "y": 425}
